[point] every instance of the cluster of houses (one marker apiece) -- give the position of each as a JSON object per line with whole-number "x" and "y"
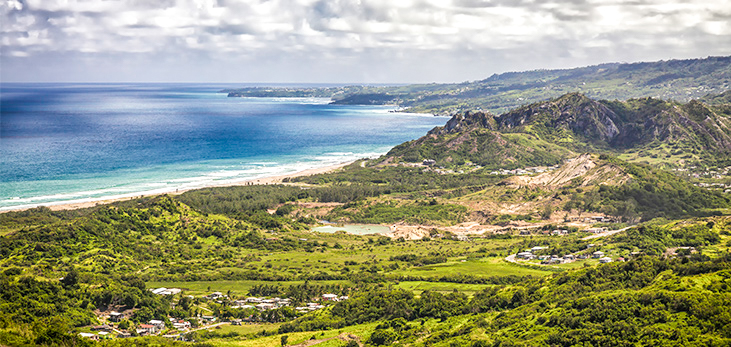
{"x": 528, "y": 254}
{"x": 155, "y": 326}
{"x": 593, "y": 219}
{"x": 563, "y": 232}
{"x": 102, "y": 332}
{"x": 263, "y": 304}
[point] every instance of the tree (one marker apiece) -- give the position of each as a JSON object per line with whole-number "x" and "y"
{"x": 71, "y": 278}
{"x": 547, "y": 212}
{"x": 284, "y": 339}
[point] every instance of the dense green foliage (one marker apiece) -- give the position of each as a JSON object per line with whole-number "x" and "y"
{"x": 650, "y": 193}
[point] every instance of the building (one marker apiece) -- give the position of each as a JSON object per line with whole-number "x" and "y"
{"x": 329, "y": 297}
{"x": 116, "y": 317}
{"x": 525, "y": 255}
{"x": 216, "y": 295}
{"x": 146, "y": 329}
{"x": 605, "y": 260}
{"x": 181, "y": 325}
{"x": 597, "y": 254}
{"x": 157, "y": 323}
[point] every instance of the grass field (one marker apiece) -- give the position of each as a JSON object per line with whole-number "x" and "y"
{"x": 484, "y": 267}
{"x": 362, "y": 331}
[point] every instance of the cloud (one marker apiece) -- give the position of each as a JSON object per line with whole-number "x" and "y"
{"x": 547, "y": 33}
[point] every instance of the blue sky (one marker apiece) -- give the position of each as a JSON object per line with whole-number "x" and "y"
{"x": 344, "y": 41}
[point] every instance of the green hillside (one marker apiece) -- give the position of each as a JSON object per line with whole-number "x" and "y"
{"x": 545, "y": 133}
{"x": 679, "y": 80}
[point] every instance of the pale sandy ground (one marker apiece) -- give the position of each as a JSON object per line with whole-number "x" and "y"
{"x": 263, "y": 180}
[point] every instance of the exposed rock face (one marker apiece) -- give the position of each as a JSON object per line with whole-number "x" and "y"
{"x": 574, "y": 112}
{"x": 546, "y": 132}
{"x": 464, "y": 121}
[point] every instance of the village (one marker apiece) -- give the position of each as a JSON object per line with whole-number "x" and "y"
{"x": 118, "y": 324}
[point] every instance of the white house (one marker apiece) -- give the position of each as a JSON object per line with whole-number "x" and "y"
{"x": 157, "y": 323}
{"x": 329, "y": 297}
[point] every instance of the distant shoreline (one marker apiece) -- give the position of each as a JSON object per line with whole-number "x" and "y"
{"x": 277, "y": 179}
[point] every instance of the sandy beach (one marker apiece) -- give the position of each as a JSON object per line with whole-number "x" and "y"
{"x": 262, "y": 180}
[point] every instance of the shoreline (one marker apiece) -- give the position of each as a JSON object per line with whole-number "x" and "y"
{"x": 277, "y": 179}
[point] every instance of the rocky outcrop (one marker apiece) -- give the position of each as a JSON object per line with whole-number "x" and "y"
{"x": 461, "y": 122}
{"x": 573, "y": 112}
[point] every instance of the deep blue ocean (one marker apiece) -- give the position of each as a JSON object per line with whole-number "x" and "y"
{"x": 62, "y": 143}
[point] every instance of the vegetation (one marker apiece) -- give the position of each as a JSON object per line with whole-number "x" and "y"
{"x": 428, "y": 284}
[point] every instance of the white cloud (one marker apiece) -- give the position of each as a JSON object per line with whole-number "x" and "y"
{"x": 227, "y": 30}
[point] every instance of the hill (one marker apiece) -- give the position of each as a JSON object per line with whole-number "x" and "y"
{"x": 679, "y": 80}
{"x": 545, "y": 133}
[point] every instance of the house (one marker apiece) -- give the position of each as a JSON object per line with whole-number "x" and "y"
{"x": 329, "y": 297}
{"x": 525, "y": 255}
{"x": 569, "y": 257}
{"x": 254, "y": 300}
{"x": 181, "y": 325}
{"x": 597, "y": 254}
{"x": 428, "y": 162}
{"x": 264, "y": 306}
{"x": 216, "y": 295}
{"x": 124, "y": 335}
{"x": 560, "y": 232}
{"x": 116, "y": 317}
{"x": 343, "y": 298}
{"x": 605, "y": 260}
{"x": 157, "y": 323}
{"x": 538, "y": 248}
{"x": 595, "y": 230}
{"x": 146, "y": 329}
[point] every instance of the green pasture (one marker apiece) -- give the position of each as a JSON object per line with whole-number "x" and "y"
{"x": 484, "y": 267}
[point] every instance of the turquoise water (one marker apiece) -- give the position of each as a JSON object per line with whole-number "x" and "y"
{"x": 64, "y": 143}
{"x": 357, "y": 229}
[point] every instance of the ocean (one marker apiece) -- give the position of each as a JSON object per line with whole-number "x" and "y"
{"x": 70, "y": 143}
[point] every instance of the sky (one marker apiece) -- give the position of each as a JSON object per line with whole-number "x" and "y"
{"x": 344, "y": 41}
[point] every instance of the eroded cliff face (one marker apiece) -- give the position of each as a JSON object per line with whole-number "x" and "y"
{"x": 461, "y": 122}
{"x": 573, "y": 112}
{"x": 546, "y": 132}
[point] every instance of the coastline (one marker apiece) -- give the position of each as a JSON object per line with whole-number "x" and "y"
{"x": 277, "y": 179}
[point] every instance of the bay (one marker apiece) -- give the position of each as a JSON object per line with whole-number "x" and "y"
{"x": 67, "y": 143}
